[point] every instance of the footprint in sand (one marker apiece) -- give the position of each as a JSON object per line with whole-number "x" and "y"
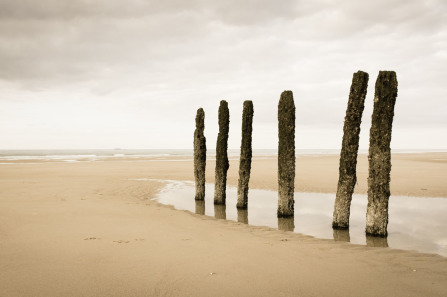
{"x": 121, "y": 241}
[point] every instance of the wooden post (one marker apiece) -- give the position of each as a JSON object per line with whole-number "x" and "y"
{"x": 286, "y": 154}
{"x": 246, "y": 154}
{"x": 380, "y": 154}
{"x": 350, "y": 145}
{"x": 200, "y": 155}
{"x": 222, "y": 164}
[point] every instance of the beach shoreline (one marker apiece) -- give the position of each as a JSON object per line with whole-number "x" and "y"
{"x": 91, "y": 229}
{"x": 412, "y": 174}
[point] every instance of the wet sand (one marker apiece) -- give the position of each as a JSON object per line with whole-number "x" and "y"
{"x": 90, "y": 229}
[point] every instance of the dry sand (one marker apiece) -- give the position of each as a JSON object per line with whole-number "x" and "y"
{"x": 85, "y": 229}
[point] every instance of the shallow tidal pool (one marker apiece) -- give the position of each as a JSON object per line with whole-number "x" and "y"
{"x": 415, "y": 223}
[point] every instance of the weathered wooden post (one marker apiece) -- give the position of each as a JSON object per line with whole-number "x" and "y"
{"x": 246, "y": 154}
{"x": 222, "y": 164}
{"x": 350, "y": 145}
{"x": 380, "y": 154}
{"x": 200, "y": 155}
{"x": 286, "y": 154}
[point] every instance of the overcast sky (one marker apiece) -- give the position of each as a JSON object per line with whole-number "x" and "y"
{"x": 131, "y": 74}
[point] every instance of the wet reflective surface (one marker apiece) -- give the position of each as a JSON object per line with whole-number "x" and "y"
{"x": 415, "y": 223}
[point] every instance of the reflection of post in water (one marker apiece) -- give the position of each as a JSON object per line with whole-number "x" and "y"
{"x": 374, "y": 241}
{"x": 220, "y": 211}
{"x": 200, "y": 207}
{"x": 242, "y": 215}
{"x": 342, "y": 235}
{"x": 286, "y": 223}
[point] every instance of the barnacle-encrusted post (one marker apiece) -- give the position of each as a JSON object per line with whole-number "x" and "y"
{"x": 222, "y": 164}
{"x": 380, "y": 154}
{"x": 246, "y": 154}
{"x": 286, "y": 154}
{"x": 350, "y": 146}
{"x": 200, "y": 155}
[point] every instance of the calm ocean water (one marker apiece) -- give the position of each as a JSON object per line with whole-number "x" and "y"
{"x": 89, "y": 155}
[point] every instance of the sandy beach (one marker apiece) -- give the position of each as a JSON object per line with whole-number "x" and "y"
{"x": 91, "y": 229}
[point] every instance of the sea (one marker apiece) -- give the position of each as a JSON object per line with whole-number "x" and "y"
{"x": 91, "y": 155}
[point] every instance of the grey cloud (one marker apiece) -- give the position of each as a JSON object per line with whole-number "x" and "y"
{"x": 67, "y": 9}
{"x": 258, "y": 12}
{"x": 232, "y": 11}
{"x": 381, "y": 18}
{"x": 202, "y": 51}
{"x": 40, "y": 50}
{"x": 393, "y": 11}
